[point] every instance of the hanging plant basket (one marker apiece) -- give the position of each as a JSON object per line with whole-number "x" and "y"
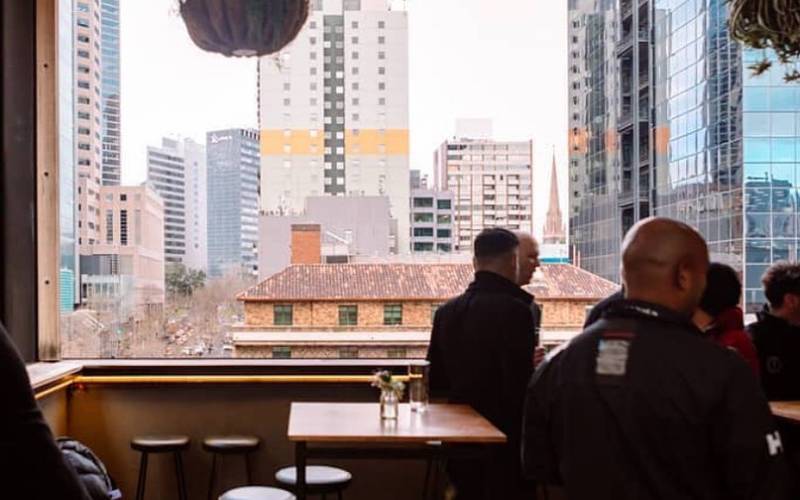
{"x": 768, "y": 24}
{"x": 243, "y": 27}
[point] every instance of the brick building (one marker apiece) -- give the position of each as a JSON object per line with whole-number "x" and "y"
{"x": 386, "y": 310}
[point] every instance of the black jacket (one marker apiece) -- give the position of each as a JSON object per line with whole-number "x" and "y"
{"x": 778, "y": 346}
{"x": 597, "y": 311}
{"x": 481, "y": 350}
{"x": 31, "y": 465}
{"x": 641, "y": 406}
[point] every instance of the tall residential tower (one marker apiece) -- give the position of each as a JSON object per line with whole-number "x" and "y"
{"x": 333, "y": 110}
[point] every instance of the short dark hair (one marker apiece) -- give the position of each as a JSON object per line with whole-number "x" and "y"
{"x": 723, "y": 289}
{"x": 493, "y": 242}
{"x": 781, "y": 278}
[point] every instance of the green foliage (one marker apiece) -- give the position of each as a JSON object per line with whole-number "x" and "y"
{"x": 183, "y": 281}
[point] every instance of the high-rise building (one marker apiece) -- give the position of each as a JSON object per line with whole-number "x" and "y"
{"x": 333, "y": 110}
{"x": 110, "y": 91}
{"x": 418, "y": 180}
{"x": 88, "y": 119}
{"x": 177, "y": 172}
{"x": 554, "y": 226}
{"x": 234, "y": 164}
{"x": 716, "y": 146}
{"x": 123, "y": 274}
{"x": 67, "y": 224}
{"x": 431, "y": 220}
{"x": 491, "y": 183}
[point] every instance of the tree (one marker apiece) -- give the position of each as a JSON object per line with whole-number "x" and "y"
{"x": 183, "y": 281}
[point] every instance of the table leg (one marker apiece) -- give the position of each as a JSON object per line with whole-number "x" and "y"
{"x": 300, "y": 467}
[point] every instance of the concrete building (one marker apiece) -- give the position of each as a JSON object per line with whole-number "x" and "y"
{"x": 67, "y": 174}
{"x": 110, "y": 92}
{"x": 431, "y": 221}
{"x": 695, "y": 137}
{"x": 123, "y": 275}
{"x": 348, "y": 227}
{"x": 177, "y": 172}
{"x": 418, "y": 180}
{"x": 491, "y": 182}
{"x": 333, "y": 110}
{"x": 386, "y": 310}
{"x": 234, "y": 164}
{"x": 88, "y": 119}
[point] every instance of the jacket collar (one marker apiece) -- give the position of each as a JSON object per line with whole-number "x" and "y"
{"x": 486, "y": 281}
{"x": 647, "y": 310}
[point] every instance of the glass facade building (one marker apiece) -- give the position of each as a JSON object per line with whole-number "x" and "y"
{"x": 110, "y": 90}
{"x": 234, "y": 163}
{"x": 724, "y": 143}
{"x": 66, "y": 174}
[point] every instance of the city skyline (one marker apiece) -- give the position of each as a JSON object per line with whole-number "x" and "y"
{"x": 534, "y": 35}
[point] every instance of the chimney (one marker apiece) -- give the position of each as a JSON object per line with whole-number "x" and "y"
{"x": 306, "y": 246}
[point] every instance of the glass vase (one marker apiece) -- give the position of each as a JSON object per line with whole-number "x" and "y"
{"x": 390, "y": 405}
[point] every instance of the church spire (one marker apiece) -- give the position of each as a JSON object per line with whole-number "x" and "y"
{"x": 554, "y": 226}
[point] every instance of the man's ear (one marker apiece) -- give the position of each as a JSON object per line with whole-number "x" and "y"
{"x": 683, "y": 277}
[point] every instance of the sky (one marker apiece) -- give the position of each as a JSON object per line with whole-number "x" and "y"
{"x": 500, "y": 59}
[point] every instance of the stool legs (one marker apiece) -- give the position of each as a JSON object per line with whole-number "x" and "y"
{"x": 248, "y": 469}
{"x": 179, "y": 473}
{"x": 213, "y": 474}
{"x": 142, "y": 477}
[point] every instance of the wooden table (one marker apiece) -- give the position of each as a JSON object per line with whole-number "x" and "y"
{"x": 355, "y": 430}
{"x": 789, "y": 410}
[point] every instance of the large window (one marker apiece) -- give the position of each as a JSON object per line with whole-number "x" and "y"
{"x": 348, "y": 315}
{"x": 283, "y": 314}
{"x": 393, "y": 314}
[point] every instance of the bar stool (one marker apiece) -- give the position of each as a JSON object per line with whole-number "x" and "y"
{"x": 160, "y": 444}
{"x": 229, "y": 445}
{"x": 256, "y": 493}
{"x": 320, "y": 479}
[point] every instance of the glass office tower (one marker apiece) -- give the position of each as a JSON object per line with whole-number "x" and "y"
{"x": 723, "y": 142}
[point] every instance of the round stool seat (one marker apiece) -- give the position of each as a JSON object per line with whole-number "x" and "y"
{"x": 316, "y": 476}
{"x": 160, "y": 444}
{"x": 256, "y": 493}
{"x": 231, "y": 444}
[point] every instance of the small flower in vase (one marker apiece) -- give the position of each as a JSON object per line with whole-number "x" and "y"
{"x": 391, "y": 393}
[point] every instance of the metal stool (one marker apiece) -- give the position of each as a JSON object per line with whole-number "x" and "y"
{"x": 320, "y": 479}
{"x": 256, "y": 493}
{"x": 160, "y": 444}
{"x": 229, "y": 445}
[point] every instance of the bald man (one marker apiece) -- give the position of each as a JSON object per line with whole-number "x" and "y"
{"x": 528, "y": 263}
{"x": 642, "y": 406}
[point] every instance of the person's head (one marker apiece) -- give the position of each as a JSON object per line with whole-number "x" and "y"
{"x": 527, "y": 256}
{"x": 665, "y": 262}
{"x": 723, "y": 291}
{"x": 495, "y": 250}
{"x": 782, "y": 288}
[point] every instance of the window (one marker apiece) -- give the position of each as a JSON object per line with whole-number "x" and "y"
{"x": 348, "y": 315}
{"x": 423, "y": 232}
{"x": 282, "y": 315}
{"x": 83, "y": 39}
{"x": 381, "y": 55}
{"x": 381, "y": 40}
{"x": 354, "y": 25}
{"x": 443, "y": 204}
{"x": 396, "y": 353}
{"x": 443, "y": 233}
{"x": 84, "y": 54}
{"x": 348, "y": 353}
{"x": 381, "y": 101}
{"x": 381, "y": 70}
{"x": 123, "y": 227}
{"x": 282, "y": 352}
{"x": 354, "y": 55}
{"x": 83, "y": 7}
{"x": 109, "y": 226}
{"x": 393, "y": 314}
{"x": 423, "y": 217}
{"x": 423, "y": 202}
{"x": 381, "y": 24}
{"x": 83, "y": 23}
{"x": 354, "y": 40}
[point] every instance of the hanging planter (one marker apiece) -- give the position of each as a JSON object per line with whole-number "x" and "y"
{"x": 768, "y": 24}
{"x": 243, "y": 28}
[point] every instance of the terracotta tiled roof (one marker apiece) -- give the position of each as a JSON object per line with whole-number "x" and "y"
{"x": 337, "y": 282}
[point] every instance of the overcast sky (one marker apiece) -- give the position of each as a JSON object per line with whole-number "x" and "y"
{"x": 499, "y": 59}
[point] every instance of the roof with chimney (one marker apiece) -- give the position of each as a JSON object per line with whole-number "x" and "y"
{"x": 411, "y": 282}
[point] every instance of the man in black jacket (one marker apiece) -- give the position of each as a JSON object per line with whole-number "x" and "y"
{"x": 641, "y": 406}
{"x": 776, "y": 334}
{"x": 31, "y": 465}
{"x": 481, "y": 354}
